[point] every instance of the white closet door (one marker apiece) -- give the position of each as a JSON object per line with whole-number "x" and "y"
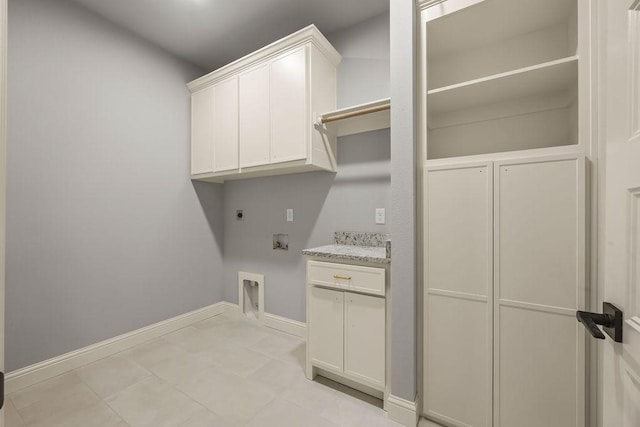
{"x": 326, "y": 327}
{"x": 225, "y": 135}
{"x": 254, "y": 117}
{"x": 289, "y": 107}
{"x": 539, "y": 285}
{"x": 202, "y": 131}
{"x": 364, "y": 351}
{"x": 458, "y": 294}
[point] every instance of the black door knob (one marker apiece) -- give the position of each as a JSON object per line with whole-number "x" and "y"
{"x": 610, "y": 319}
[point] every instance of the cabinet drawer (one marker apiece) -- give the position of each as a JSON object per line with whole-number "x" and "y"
{"x": 369, "y": 280}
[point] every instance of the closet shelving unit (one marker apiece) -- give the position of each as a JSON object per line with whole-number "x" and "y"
{"x": 505, "y": 131}
{"x": 502, "y": 75}
{"x": 360, "y": 118}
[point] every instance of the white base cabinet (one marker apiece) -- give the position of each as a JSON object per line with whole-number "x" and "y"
{"x": 347, "y": 333}
{"x": 257, "y": 115}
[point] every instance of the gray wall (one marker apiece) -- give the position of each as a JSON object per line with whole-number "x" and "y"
{"x": 322, "y": 202}
{"x": 403, "y": 200}
{"x": 363, "y": 75}
{"x": 105, "y": 231}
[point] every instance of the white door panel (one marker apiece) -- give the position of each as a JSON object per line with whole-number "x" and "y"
{"x": 540, "y": 256}
{"x": 621, "y": 363}
{"x": 458, "y": 360}
{"x": 536, "y": 368}
{"x": 3, "y": 175}
{"x": 540, "y": 243}
{"x": 619, "y": 391}
{"x": 458, "y": 320}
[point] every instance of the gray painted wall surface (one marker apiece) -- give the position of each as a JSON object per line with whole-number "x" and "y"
{"x": 403, "y": 200}
{"x": 322, "y": 202}
{"x": 105, "y": 231}
{"x": 363, "y": 75}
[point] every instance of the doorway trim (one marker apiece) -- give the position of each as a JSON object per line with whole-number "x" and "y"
{"x": 3, "y": 173}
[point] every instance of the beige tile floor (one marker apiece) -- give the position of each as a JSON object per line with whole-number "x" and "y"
{"x": 223, "y": 371}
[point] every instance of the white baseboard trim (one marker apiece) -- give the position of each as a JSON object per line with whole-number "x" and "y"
{"x": 283, "y": 324}
{"x": 402, "y": 411}
{"x": 274, "y": 321}
{"x": 50, "y": 368}
{"x": 230, "y": 307}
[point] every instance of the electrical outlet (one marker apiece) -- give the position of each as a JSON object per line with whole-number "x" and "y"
{"x": 380, "y": 214}
{"x": 289, "y": 215}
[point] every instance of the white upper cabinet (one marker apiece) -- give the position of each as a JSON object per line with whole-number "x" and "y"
{"x": 289, "y": 116}
{"x": 255, "y": 124}
{"x": 202, "y": 132}
{"x": 225, "y": 125}
{"x": 260, "y": 117}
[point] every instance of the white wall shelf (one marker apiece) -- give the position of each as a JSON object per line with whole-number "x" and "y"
{"x": 553, "y": 76}
{"x": 366, "y": 117}
{"x": 451, "y": 31}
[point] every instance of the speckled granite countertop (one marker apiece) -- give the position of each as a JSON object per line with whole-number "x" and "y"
{"x": 356, "y": 246}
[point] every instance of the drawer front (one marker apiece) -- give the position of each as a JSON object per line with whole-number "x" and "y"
{"x": 368, "y": 280}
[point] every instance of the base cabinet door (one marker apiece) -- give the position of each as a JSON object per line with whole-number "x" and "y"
{"x": 326, "y": 327}
{"x": 364, "y": 352}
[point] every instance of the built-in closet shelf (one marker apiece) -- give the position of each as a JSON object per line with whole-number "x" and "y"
{"x": 366, "y": 117}
{"x": 483, "y": 22}
{"x": 553, "y": 76}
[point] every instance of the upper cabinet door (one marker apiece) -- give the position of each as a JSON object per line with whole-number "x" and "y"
{"x": 289, "y": 107}
{"x": 225, "y": 119}
{"x": 254, "y": 117}
{"x": 202, "y": 131}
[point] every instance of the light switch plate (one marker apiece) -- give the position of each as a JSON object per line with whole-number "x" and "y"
{"x": 380, "y": 216}
{"x": 289, "y": 215}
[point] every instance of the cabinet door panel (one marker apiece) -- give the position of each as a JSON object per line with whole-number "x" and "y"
{"x": 457, "y": 376}
{"x": 254, "y": 117}
{"x": 459, "y": 229}
{"x": 326, "y": 327}
{"x": 539, "y": 234}
{"x": 202, "y": 131}
{"x": 225, "y": 136}
{"x": 458, "y": 323}
{"x": 289, "y": 109}
{"x": 365, "y": 338}
{"x": 540, "y": 207}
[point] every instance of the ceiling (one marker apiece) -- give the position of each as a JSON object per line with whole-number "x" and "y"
{"x": 212, "y": 33}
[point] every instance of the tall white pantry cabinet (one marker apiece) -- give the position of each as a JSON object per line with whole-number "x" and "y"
{"x": 506, "y": 146}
